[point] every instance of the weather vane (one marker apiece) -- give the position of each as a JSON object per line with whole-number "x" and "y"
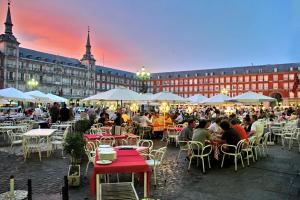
{"x": 8, "y": 2}
{"x": 88, "y": 28}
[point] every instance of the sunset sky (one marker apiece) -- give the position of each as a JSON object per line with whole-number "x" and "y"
{"x": 162, "y": 35}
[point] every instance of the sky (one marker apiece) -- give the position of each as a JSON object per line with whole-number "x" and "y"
{"x": 162, "y": 35}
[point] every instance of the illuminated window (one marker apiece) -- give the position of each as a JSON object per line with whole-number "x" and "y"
{"x": 234, "y": 79}
{"x": 275, "y": 86}
{"x": 253, "y": 78}
{"x": 246, "y": 78}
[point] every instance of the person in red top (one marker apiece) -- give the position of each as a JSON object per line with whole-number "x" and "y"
{"x": 239, "y": 129}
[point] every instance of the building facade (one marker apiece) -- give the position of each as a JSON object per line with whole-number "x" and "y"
{"x": 76, "y": 79}
{"x": 271, "y": 80}
{"x": 63, "y": 76}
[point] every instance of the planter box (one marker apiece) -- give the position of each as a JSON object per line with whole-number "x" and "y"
{"x": 74, "y": 175}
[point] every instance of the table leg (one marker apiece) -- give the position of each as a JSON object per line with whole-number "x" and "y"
{"x": 145, "y": 184}
{"x": 98, "y": 187}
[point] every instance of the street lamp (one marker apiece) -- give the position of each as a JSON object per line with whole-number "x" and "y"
{"x": 33, "y": 83}
{"x": 224, "y": 91}
{"x": 143, "y": 75}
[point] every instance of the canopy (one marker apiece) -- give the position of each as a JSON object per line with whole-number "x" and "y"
{"x": 198, "y": 98}
{"x": 169, "y": 97}
{"x": 39, "y": 96}
{"x": 14, "y": 94}
{"x": 56, "y": 98}
{"x": 252, "y": 97}
{"x": 217, "y": 99}
{"x": 117, "y": 94}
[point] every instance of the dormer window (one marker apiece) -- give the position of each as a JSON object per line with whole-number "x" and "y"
{"x": 211, "y": 73}
{"x": 291, "y": 69}
{"x": 234, "y": 72}
{"x": 196, "y": 75}
{"x": 247, "y": 71}
{"x": 206, "y": 74}
{"x": 186, "y": 75}
{"x": 158, "y": 77}
{"x": 275, "y": 69}
{"x": 222, "y": 73}
{"x": 260, "y": 70}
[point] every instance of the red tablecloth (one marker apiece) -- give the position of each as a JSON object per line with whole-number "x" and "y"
{"x": 128, "y": 161}
{"x": 216, "y": 147}
{"x": 99, "y": 136}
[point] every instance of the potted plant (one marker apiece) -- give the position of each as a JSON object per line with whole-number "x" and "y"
{"x": 74, "y": 146}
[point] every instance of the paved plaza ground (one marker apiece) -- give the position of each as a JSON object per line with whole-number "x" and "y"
{"x": 275, "y": 177}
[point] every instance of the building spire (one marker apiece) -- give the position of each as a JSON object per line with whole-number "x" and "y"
{"x": 88, "y": 54}
{"x": 8, "y": 22}
{"x": 88, "y": 44}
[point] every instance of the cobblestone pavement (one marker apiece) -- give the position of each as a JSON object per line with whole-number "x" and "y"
{"x": 274, "y": 177}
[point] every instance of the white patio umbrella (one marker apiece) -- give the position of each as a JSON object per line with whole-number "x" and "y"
{"x": 216, "y": 100}
{"x": 252, "y": 97}
{"x": 3, "y": 102}
{"x": 117, "y": 94}
{"x": 198, "y": 98}
{"x": 14, "y": 94}
{"x": 55, "y": 98}
{"x": 39, "y": 96}
{"x": 168, "y": 97}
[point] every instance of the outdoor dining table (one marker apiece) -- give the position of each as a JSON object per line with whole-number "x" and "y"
{"x": 128, "y": 161}
{"x": 12, "y": 127}
{"x": 41, "y": 133}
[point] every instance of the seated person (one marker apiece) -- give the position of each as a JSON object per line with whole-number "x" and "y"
{"x": 239, "y": 129}
{"x": 257, "y": 128}
{"x": 230, "y": 136}
{"x": 215, "y": 127}
{"x": 201, "y": 132}
{"x": 186, "y": 133}
{"x": 103, "y": 120}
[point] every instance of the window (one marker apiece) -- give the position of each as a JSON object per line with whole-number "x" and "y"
{"x": 275, "y": 77}
{"x": 275, "y": 86}
{"x": 205, "y": 80}
{"x": 266, "y": 77}
{"x": 253, "y": 86}
{"x": 234, "y": 79}
{"x": 260, "y": 86}
{"x": 222, "y": 80}
{"x": 181, "y": 89}
{"x": 246, "y": 86}
{"x": 285, "y": 86}
{"x": 186, "y": 88}
{"x": 291, "y": 94}
{"x": 260, "y": 78}
{"x": 211, "y": 88}
{"x": 200, "y": 81}
{"x": 275, "y": 69}
{"x": 241, "y": 79}
{"x": 291, "y": 69}
{"x": 285, "y": 77}
{"x": 291, "y": 77}
{"x": 266, "y": 86}
{"x": 246, "y": 78}
{"x": 176, "y": 82}
{"x": 195, "y": 88}
{"x": 240, "y": 87}
{"x": 217, "y": 89}
{"x": 186, "y": 81}
{"x": 195, "y": 81}
{"x": 191, "y": 81}
{"x": 227, "y": 79}
{"x": 216, "y": 80}
{"x": 253, "y": 78}
{"x": 205, "y": 88}
{"x": 233, "y": 87}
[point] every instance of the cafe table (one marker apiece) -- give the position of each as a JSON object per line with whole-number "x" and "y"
{"x": 127, "y": 161}
{"x": 41, "y": 133}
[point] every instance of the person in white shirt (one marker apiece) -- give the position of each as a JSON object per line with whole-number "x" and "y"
{"x": 144, "y": 120}
{"x": 257, "y": 128}
{"x": 215, "y": 127}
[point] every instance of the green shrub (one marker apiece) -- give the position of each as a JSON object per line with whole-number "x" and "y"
{"x": 74, "y": 145}
{"x": 83, "y": 125}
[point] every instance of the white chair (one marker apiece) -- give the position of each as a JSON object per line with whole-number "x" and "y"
{"x": 156, "y": 159}
{"x": 14, "y": 139}
{"x": 131, "y": 140}
{"x": 107, "y": 140}
{"x": 198, "y": 150}
{"x": 146, "y": 143}
{"x": 90, "y": 151}
{"x": 32, "y": 144}
{"x": 248, "y": 149}
{"x": 58, "y": 141}
{"x": 264, "y": 143}
{"x": 277, "y": 132}
{"x": 291, "y": 136}
{"x": 237, "y": 152}
{"x": 172, "y": 134}
{"x": 183, "y": 146}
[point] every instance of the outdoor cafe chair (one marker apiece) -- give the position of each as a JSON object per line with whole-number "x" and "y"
{"x": 171, "y": 134}
{"x": 144, "y": 130}
{"x": 109, "y": 140}
{"x": 59, "y": 141}
{"x": 14, "y": 139}
{"x": 291, "y": 136}
{"x": 90, "y": 151}
{"x": 146, "y": 143}
{"x": 248, "y": 149}
{"x": 183, "y": 146}
{"x": 277, "y": 132}
{"x": 131, "y": 140}
{"x": 155, "y": 160}
{"x": 32, "y": 144}
{"x": 198, "y": 150}
{"x": 237, "y": 152}
{"x": 264, "y": 143}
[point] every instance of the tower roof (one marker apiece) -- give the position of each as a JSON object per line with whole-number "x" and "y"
{"x": 8, "y": 34}
{"x": 88, "y": 55}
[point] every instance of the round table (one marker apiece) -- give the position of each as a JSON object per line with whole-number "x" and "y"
{"x": 19, "y": 195}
